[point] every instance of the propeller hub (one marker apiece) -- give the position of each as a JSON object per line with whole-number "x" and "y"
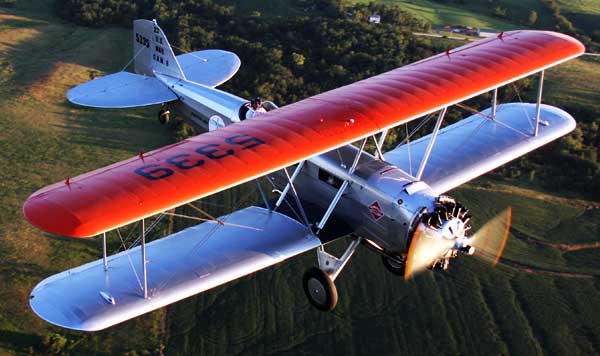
{"x": 453, "y": 229}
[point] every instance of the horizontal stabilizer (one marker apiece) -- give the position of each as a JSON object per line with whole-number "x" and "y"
{"x": 121, "y": 90}
{"x": 477, "y": 144}
{"x": 179, "y": 266}
{"x": 211, "y": 67}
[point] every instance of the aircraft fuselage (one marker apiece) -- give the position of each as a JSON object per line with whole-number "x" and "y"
{"x": 382, "y": 203}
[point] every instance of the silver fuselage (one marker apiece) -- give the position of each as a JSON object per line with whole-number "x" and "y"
{"x": 198, "y": 103}
{"x": 382, "y": 202}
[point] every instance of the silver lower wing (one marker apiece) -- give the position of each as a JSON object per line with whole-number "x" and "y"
{"x": 476, "y": 145}
{"x": 121, "y": 90}
{"x": 181, "y": 265}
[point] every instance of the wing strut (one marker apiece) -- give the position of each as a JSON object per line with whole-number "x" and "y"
{"x": 340, "y": 191}
{"x": 539, "y": 104}
{"x": 289, "y": 185}
{"x": 494, "y": 103}
{"x": 295, "y": 193}
{"x": 144, "y": 259}
{"x": 104, "y": 251}
{"x": 431, "y": 142}
{"x": 379, "y": 143}
{"x": 263, "y": 195}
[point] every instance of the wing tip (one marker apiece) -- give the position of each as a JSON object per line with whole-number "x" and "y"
{"x": 578, "y": 46}
{"x": 52, "y": 218}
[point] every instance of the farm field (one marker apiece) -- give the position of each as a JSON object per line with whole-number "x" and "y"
{"x": 445, "y": 14}
{"x": 542, "y": 299}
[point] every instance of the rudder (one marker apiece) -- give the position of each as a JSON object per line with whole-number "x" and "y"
{"x": 152, "y": 50}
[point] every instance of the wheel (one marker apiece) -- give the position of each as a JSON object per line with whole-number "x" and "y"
{"x": 164, "y": 116}
{"x": 320, "y": 289}
{"x": 394, "y": 266}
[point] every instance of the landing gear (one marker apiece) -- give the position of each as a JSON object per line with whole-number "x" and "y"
{"x": 164, "y": 114}
{"x": 318, "y": 282}
{"x": 397, "y": 267}
{"x": 320, "y": 289}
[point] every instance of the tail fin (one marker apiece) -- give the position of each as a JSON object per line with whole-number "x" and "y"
{"x": 152, "y": 50}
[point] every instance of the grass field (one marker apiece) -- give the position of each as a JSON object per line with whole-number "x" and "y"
{"x": 445, "y": 14}
{"x": 584, "y": 14}
{"x": 569, "y": 75}
{"x": 522, "y": 307}
{"x": 591, "y": 7}
{"x": 45, "y": 139}
{"x": 431, "y": 11}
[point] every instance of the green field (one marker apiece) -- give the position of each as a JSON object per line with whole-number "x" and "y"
{"x": 591, "y": 7}
{"x": 542, "y": 299}
{"x": 45, "y": 139}
{"x": 445, "y": 14}
{"x": 585, "y": 14}
{"x": 569, "y": 75}
{"x": 473, "y": 13}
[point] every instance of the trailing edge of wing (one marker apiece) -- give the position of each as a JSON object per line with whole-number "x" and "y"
{"x": 114, "y": 196}
{"x": 121, "y": 90}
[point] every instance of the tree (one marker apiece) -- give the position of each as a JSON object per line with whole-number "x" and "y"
{"x": 298, "y": 59}
{"x": 54, "y": 344}
{"x": 500, "y": 12}
{"x": 533, "y": 17}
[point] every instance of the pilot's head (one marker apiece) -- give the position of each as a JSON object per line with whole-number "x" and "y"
{"x": 256, "y": 103}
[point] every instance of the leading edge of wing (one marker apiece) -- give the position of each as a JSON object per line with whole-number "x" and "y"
{"x": 117, "y": 195}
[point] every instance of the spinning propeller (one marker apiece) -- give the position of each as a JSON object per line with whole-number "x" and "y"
{"x": 432, "y": 247}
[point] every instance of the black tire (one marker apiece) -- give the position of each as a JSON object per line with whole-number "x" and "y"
{"x": 320, "y": 289}
{"x": 394, "y": 266}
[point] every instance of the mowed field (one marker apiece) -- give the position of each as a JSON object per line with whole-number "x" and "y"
{"x": 585, "y": 13}
{"x": 542, "y": 299}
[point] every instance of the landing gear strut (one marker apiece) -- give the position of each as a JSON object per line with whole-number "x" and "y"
{"x": 318, "y": 282}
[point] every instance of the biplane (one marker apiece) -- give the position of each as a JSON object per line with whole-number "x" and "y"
{"x": 329, "y": 186}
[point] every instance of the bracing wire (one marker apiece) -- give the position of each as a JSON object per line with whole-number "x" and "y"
{"x": 203, "y": 239}
{"x": 133, "y": 58}
{"x": 190, "y": 54}
{"x": 130, "y": 261}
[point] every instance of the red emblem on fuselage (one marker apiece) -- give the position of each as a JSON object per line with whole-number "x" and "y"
{"x": 376, "y": 211}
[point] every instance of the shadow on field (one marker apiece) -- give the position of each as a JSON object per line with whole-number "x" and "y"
{"x": 46, "y": 59}
{"x": 19, "y": 340}
{"x": 114, "y": 129}
{"x": 24, "y": 269}
{"x": 37, "y": 47}
{"x": 586, "y": 22}
{"x": 11, "y": 23}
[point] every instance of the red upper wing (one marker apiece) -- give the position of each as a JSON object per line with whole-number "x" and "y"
{"x": 114, "y": 196}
